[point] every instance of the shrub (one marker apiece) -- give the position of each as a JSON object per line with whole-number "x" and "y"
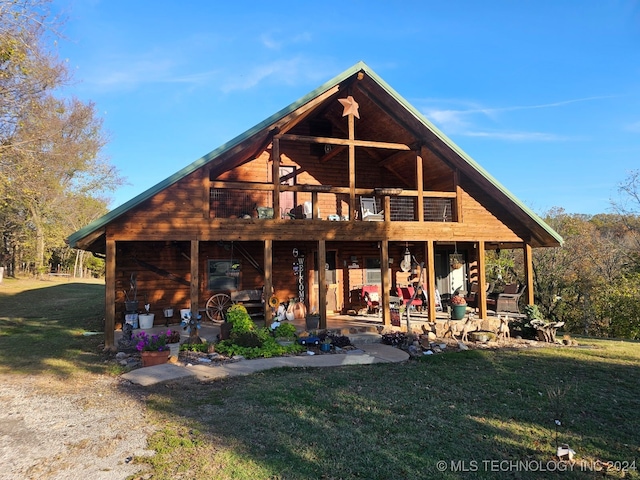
{"x": 240, "y": 319}
{"x": 286, "y": 330}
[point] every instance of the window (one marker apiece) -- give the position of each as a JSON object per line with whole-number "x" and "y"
{"x": 224, "y": 275}
{"x": 373, "y": 275}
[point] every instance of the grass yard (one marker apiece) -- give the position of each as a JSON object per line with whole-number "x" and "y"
{"x": 482, "y": 414}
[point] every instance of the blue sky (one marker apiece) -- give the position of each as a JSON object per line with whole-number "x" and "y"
{"x": 544, "y": 94}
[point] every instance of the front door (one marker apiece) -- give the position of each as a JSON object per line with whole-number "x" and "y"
{"x": 448, "y": 280}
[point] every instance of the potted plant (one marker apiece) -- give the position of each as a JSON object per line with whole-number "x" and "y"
{"x": 173, "y": 341}
{"x": 458, "y": 307}
{"x": 285, "y": 334}
{"x": 131, "y": 296}
{"x": 146, "y": 318}
{"x": 312, "y": 320}
{"x": 153, "y": 348}
{"x": 325, "y": 346}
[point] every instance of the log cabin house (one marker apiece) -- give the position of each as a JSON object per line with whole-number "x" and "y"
{"x": 346, "y": 187}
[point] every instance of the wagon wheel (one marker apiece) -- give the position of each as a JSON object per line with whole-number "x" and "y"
{"x": 217, "y": 307}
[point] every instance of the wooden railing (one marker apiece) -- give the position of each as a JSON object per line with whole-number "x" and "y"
{"x": 324, "y": 202}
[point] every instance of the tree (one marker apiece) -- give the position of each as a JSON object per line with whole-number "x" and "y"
{"x": 577, "y": 283}
{"x": 628, "y": 209}
{"x": 62, "y": 160}
{"x": 50, "y": 148}
{"x": 27, "y": 69}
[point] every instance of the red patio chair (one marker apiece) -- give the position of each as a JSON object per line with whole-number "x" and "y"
{"x": 406, "y": 293}
{"x": 371, "y": 297}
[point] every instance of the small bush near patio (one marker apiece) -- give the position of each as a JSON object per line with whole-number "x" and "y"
{"x": 249, "y": 341}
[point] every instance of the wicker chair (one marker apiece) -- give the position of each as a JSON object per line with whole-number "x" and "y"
{"x": 507, "y": 301}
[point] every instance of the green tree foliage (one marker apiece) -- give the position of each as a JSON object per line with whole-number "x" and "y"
{"x": 51, "y": 165}
{"x": 591, "y": 282}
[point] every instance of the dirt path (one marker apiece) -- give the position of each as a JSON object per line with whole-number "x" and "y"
{"x": 70, "y": 429}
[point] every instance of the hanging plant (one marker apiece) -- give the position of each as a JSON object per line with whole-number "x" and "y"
{"x": 456, "y": 261}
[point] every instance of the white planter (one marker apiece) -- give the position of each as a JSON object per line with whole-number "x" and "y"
{"x": 146, "y": 320}
{"x": 174, "y": 349}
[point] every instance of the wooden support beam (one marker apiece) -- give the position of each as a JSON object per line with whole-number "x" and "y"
{"x": 481, "y": 299}
{"x": 385, "y": 283}
{"x": 299, "y": 116}
{"x": 430, "y": 267}
{"x": 457, "y": 208}
{"x": 528, "y": 273}
{"x": 194, "y": 290}
{"x": 420, "y": 183}
{"x": 268, "y": 279}
{"x": 335, "y": 151}
{"x": 110, "y": 296}
{"x": 315, "y": 208}
{"x": 386, "y": 206}
{"x": 206, "y": 194}
{"x": 322, "y": 283}
{"x": 352, "y": 169}
{"x": 275, "y": 153}
{"x": 351, "y": 141}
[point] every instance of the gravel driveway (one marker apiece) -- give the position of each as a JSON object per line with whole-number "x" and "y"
{"x": 53, "y": 428}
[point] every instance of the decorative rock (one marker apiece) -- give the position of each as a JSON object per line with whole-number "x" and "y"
{"x": 462, "y": 346}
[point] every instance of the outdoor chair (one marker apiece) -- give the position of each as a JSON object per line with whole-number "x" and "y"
{"x": 371, "y": 297}
{"x": 507, "y": 301}
{"x": 307, "y": 210}
{"x": 422, "y": 295}
{"x": 472, "y": 295}
{"x": 369, "y": 210}
{"x": 406, "y": 293}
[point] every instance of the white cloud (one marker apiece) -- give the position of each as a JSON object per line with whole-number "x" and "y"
{"x": 287, "y": 72}
{"x": 468, "y": 121}
{"x": 633, "y": 127}
{"x": 270, "y": 41}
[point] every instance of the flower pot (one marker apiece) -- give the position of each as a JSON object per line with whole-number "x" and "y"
{"x": 174, "y": 349}
{"x": 131, "y": 319}
{"x": 131, "y": 306}
{"x": 325, "y": 347}
{"x": 146, "y": 320}
{"x": 154, "y": 358}
{"x": 313, "y": 322}
{"x": 458, "y": 312}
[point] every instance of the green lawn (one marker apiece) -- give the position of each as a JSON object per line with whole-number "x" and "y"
{"x": 485, "y": 414}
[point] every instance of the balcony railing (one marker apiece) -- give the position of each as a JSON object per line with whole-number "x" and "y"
{"x": 298, "y": 203}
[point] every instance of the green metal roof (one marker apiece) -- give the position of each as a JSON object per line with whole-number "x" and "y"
{"x": 96, "y": 225}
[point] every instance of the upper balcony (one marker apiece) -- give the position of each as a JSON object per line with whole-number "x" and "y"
{"x": 324, "y": 202}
